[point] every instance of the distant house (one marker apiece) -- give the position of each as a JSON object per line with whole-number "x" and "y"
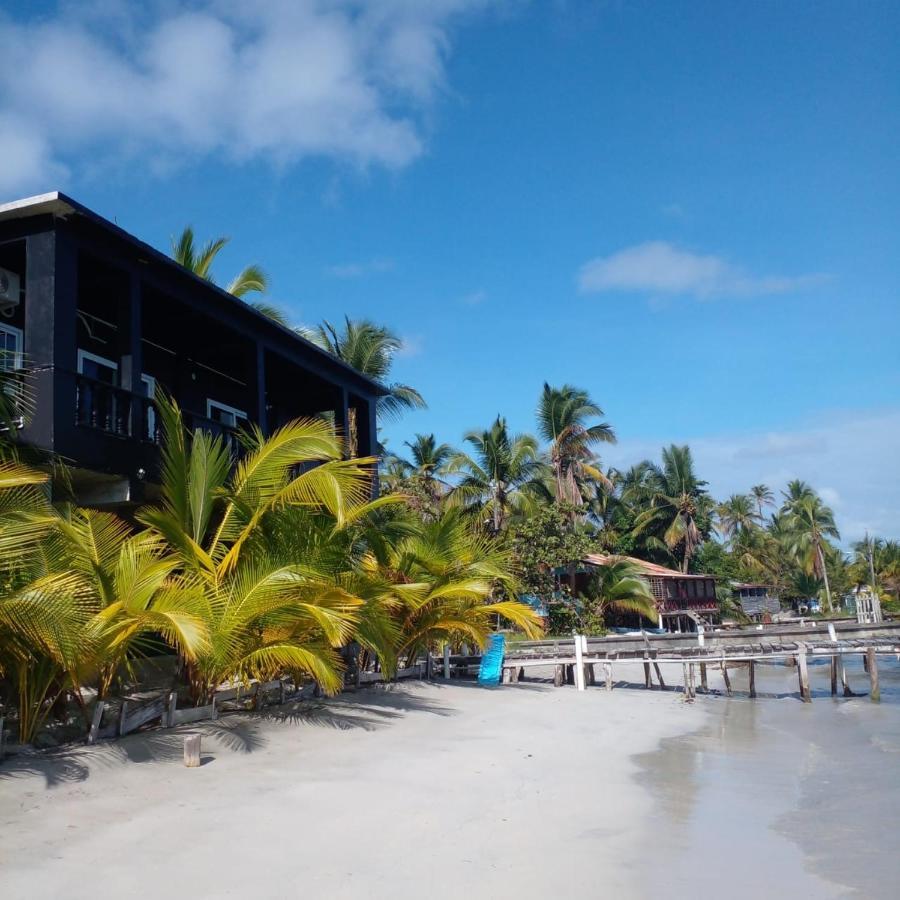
{"x": 756, "y": 600}
{"x": 683, "y": 601}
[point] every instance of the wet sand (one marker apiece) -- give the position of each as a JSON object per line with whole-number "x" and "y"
{"x": 524, "y": 791}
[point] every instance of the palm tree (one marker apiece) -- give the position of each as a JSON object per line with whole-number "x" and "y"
{"x": 618, "y": 585}
{"x": 429, "y": 458}
{"x": 563, "y": 416}
{"x": 503, "y": 473}
{"x": 268, "y": 608}
{"x": 199, "y": 261}
{"x": 810, "y": 523}
{"x": 764, "y": 496}
{"x": 439, "y": 578}
{"x": 672, "y": 498}
{"x": 736, "y": 515}
{"x": 370, "y": 349}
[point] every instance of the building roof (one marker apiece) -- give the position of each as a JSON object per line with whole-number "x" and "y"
{"x": 59, "y": 205}
{"x": 648, "y": 568}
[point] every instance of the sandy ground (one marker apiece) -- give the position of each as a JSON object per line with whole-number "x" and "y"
{"x": 418, "y": 790}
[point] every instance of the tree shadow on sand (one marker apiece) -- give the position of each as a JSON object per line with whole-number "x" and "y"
{"x": 238, "y": 732}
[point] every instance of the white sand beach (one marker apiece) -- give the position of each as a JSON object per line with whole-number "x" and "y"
{"x": 525, "y": 791}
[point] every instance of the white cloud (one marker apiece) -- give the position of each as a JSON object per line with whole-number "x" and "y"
{"x": 661, "y": 268}
{"x": 360, "y": 269}
{"x": 474, "y": 298}
{"x": 850, "y": 458}
{"x": 412, "y": 345}
{"x": 281, "y": 81}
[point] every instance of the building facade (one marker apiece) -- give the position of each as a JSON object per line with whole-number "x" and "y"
{"x": 99, "y": 320}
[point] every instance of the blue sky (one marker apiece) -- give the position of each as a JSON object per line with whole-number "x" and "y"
{"x": 690, "y": 209}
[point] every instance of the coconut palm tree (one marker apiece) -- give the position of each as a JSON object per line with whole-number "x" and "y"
{"x": 810, "y": 523}
{"x": 672, "y": 498}
{"x": 428, "y": 458}
{"x": 618, "y": 586}
{"x": 736, "y": 515}
{"x": 370, "y": 349}
{"x": 763, "y": 495}
{"x": 563, "y": 417}
{"x": 503, "y": 473}
{"x": 199, "y": 261}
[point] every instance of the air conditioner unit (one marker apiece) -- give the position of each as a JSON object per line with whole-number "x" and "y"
{"x": 9, "y": 292}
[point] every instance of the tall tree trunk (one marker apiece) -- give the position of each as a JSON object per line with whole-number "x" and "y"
{"x": 824, "y": 576}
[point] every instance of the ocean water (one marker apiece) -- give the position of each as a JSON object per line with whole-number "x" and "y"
{"x": 775, "y": 796}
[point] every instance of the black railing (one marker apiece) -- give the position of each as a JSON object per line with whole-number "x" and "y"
{"x": 103, "y": 406}
{"x": 109, "y": 409}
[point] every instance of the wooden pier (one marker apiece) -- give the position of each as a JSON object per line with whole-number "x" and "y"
{"x": 583, "y": 661}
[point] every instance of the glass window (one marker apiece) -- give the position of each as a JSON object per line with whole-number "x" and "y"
{"x": 227, "y": 415}
{"x": 10, "y": 348}
{"x": 98, "y": 368}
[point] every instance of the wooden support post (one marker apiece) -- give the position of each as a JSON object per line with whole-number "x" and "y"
{"x": 703, "y": 682}
{"x": 662, "y": 684}
{"x": 845, "y": 681}
{"x": 687, "y": 682}
{"x": 590, "y": 676}
{"x": 874, "y": 690}
{"x": 122, "y": 712}
{"x": 170, "y": 711}
{"x": 192, "y": 751}
{"x": 429, "y": 666}
{"x": 725, "y": 678}
{"x": 215, "y": 709}
{"x": 96, "y": 719}
{"x": 570, "y": 674}
{"x": 866, "y": 662}
{"x": 559, "y": 677}
{"x": 803, "y": 673}
{"x": 752, "y": 679}
{"x": 507, "y": 675}
{"x": 520, "y": 675}
{"x": 607, "y": 671}
{"x": 447, "y": 661}
{"x": 647, "y": 680}
{"x": 834, "y": 668}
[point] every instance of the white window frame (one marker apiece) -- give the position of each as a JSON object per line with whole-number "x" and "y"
{"x": 224, "y": 407}
{"x": 100, "y": 360}
{"x": 150, "y": 381}
{"x": 19, "y": 336}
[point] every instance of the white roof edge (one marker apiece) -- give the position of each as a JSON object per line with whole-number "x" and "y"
{"x": 52, "y": 202}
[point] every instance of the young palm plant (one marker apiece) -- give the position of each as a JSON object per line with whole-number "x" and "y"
{"x": 618, "y": 586}
{"x": 268, "y": 609}
{"x": 441, "y": 579}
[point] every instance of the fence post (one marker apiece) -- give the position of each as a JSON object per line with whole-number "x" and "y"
{"x": 447, "y": 661}
{"x": 170, "y": 713}
{"x": 99, "y": 707}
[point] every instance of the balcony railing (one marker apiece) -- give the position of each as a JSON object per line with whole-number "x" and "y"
{"x": 103, "y": 406}
{"x": 109, "y": 409}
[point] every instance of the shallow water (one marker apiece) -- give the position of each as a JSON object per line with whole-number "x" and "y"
{"x": 775, "y": 795}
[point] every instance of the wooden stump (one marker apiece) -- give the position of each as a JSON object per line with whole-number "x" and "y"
{"x": 874, "y": 691}
{"x": 192, "y": 751}
{"x": 687, "y": 682}
{"x": 703, "y": 682}
{"x": 607, "y": 671}
{"x": 559, "y": 678}
{"x": 803, "y": 674}
{"x": 725, "y": 678}
{"x": 752, "y": 679}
